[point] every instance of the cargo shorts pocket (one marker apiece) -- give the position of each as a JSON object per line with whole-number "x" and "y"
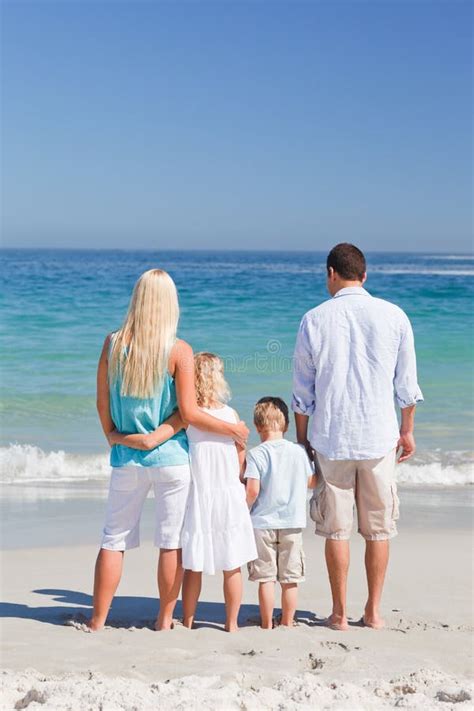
{"x": 316, "y": 506}
{"x": 251, "y": 569}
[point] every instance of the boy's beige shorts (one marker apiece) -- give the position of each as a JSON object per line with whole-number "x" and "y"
{"x": 280, "y": 556}
{"x": 369, "y": 484}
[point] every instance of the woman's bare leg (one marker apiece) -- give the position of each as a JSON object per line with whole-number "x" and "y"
{"x": 232, "y": 598}
{"x": 266, "y": 600}
{"x": 108, "y": 571}
{"x": 191, "y": 590}
{"x": 289, "y": 601}
{"x": 170, "y": 577}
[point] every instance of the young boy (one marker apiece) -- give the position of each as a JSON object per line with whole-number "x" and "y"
{"x": 278, "y": 474}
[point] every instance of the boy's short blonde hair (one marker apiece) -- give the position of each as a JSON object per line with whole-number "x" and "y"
{"x": 211, "y": 386}
{"x": 271, "y": 415}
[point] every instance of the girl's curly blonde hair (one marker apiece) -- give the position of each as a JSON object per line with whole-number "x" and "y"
{"x": 211, "y": 386}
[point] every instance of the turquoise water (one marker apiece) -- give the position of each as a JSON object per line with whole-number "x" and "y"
{"x": 59, "y": 305}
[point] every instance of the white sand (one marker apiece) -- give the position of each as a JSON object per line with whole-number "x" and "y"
{"x": 423, "y": 660}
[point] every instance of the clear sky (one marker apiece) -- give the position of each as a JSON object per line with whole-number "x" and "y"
{"x": 245, "y": 124}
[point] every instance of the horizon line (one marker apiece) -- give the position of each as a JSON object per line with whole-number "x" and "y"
{"x": 227, "y": 250}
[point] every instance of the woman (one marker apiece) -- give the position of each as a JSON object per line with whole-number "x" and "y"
{"x": 144, "y": 375}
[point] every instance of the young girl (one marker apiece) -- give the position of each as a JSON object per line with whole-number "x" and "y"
{"x": 217, "y": 532}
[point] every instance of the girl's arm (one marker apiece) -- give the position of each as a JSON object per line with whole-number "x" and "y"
{"x": 241, "y": 452}
{"x": 103, "y": 403}
{"x": 312, "y": 481}
{"x": 182, "y": 365}
{"x": 148, "y": 441}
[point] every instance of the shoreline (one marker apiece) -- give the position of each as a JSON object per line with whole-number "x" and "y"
{"x": 31, "y": 515}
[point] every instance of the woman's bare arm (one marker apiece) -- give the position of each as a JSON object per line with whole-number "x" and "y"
{"x": 103, "y": 405}
{"x": 182, "y": 365}
{"x": 150, "y": 440}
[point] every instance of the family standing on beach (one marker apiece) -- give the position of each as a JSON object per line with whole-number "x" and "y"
{"x": 219, "y": 507}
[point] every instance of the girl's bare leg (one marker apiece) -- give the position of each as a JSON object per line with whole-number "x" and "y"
{"x": 170, "y": 577}
{"x": 191, "y": 590}
{"x": 232, "y": 598}
{"x": 289, "y": 601}
{"x": 266, "y": 600}
{"x": 108, "y": 571}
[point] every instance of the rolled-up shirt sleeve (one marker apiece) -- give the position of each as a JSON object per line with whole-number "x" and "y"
{"x": 304, "y": 372}
{"x": 407, "y": 390}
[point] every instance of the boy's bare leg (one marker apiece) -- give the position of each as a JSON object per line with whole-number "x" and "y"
{"x": 108, "y": 571}
{"x": 337, "y": 561}
{"x": 266, "y": 600}
{"x": 232, "y": 598}
{"x": 191, "y": 590}
{"x": 170, "y": 577}
{"x": 376, "y": 561}
{"x": 289, "y": 601}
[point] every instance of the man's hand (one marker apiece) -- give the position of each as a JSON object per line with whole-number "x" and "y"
{"x": 240, "y": 433}
{"x": 407, "y": 444}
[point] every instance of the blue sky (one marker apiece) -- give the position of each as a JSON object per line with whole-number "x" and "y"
{"x": 237, "y": 124}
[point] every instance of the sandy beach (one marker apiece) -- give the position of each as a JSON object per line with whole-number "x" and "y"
{"x": 422, "y": 660}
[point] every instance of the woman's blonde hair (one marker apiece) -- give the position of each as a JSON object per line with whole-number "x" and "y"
{"x": 211, "y": 386}
{"x": 140, "y": 349}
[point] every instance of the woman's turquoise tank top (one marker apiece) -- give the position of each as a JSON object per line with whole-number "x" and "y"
{"x": 133, "y": 415}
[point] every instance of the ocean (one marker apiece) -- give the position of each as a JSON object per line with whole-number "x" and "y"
{"x": 58, "y": 306}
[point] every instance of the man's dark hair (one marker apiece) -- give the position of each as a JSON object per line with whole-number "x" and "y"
{"x": 348, "y": 261}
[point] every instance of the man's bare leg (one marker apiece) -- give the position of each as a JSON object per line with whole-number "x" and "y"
{"x": 337, "y": 561}
{"x": 266, "y": 600}
{"x": 170, "y": 577}
{"x": 191, "y": 590}
{"x": 376, "y": 561}
{"x": 108, "y": 571}
{"x": 289, "y": 601}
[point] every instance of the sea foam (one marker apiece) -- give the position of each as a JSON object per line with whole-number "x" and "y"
{"x": 25, "y": 463}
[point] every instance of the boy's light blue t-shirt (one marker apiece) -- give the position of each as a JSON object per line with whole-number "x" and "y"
{"x": 283, "y": 469}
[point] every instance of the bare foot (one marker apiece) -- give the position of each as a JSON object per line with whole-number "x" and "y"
{"x": 336, "y": 622}
{"x": 164, "y": 625}
{"x": 279, "y": 622}
{"x": 93, "y": 625}
{"x": 231, "y": 628}
{"x": 375, "y": 623}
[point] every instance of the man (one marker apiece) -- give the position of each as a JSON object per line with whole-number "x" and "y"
{"x": 352, "y": 354}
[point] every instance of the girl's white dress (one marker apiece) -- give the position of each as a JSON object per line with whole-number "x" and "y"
{"x": 217, "y": 532}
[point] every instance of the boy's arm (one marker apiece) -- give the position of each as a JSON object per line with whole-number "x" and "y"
{"x": 252, "y": 480}
{"x": 252, "y": 490}
{"x": 312, "y": 481}
{"x": 152, "y": 439}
